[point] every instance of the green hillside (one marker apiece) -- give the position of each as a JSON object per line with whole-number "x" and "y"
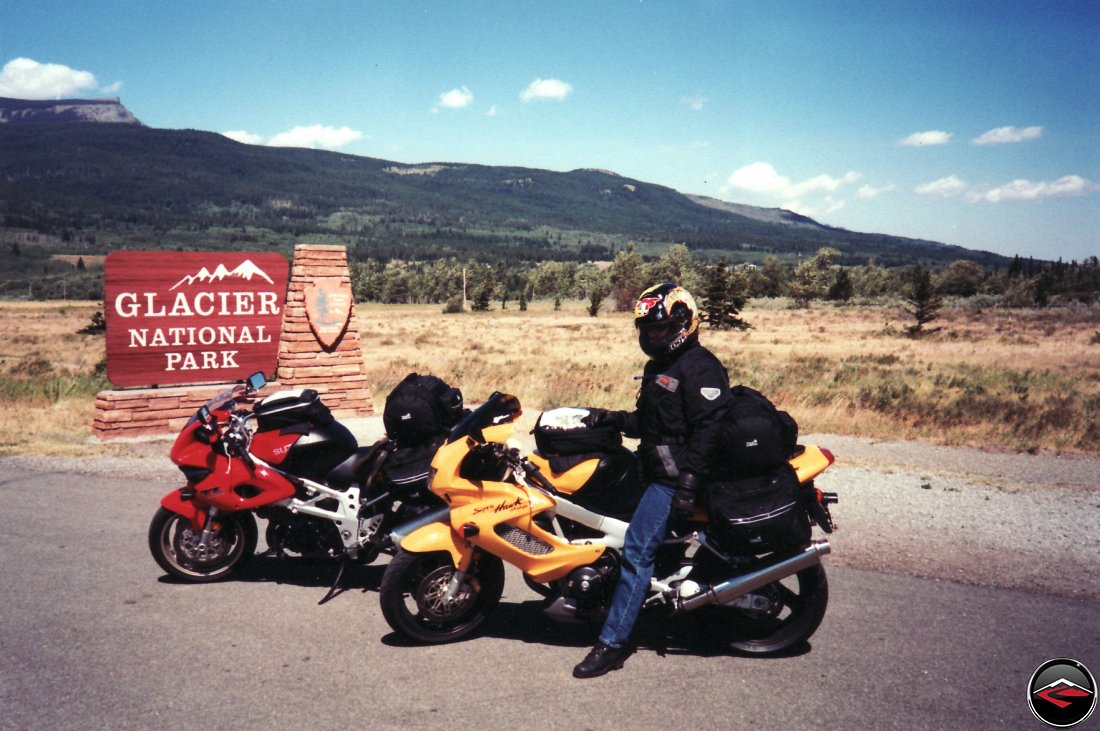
{"x": 92, "y": 188}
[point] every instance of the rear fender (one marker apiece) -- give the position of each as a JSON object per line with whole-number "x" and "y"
{"x": 439, "y": 537}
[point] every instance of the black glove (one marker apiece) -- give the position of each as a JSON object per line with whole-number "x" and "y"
{"x": 597, "y": 418}
{"x": 683, "y": 500}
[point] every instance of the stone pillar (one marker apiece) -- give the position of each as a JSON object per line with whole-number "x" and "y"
{"x": 319, "y": 346}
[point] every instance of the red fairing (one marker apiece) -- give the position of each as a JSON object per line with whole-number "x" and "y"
{"x": 272, "y": 446}
{"x": 230, "y": 484}
{"x": 233, "y": 486}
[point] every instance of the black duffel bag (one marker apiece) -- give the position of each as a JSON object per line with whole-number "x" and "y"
{"x": 759, "y": 513}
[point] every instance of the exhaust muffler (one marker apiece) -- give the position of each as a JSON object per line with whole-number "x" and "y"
{"x": 731, "y": 589}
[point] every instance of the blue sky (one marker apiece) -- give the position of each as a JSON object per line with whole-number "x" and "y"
{"x": 970, "y": 123}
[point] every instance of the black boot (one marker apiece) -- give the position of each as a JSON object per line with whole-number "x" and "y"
{"x": 601, "y": 659}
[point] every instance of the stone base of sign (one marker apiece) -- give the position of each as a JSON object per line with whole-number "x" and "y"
{"x": 338, "y": 372}
{"x": 138, "y": 412}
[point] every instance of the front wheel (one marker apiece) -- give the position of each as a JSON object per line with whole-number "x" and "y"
{"x": 790, "y": 612}
{"x": 414, "y": 599}
{"x": 179, "y": 550}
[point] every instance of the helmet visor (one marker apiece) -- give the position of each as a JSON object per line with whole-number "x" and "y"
{"x": 654, "y": 338}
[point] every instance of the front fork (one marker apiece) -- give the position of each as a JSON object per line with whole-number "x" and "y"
{"x": 208, "y": 530}
{"x": 454, "y": 587}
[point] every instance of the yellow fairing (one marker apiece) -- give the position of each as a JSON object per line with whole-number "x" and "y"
{"x": 502, "y": 516}
{"x": 810, "y": 463}
{"x": 438, "y": 537}
{"x": 571, "y": 480}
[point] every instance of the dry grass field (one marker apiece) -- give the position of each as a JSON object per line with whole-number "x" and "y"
{"x": 1017, "y": 379}
{"x": 1023, "y": 380}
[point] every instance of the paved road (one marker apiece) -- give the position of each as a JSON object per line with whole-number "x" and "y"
{"x": 92, "y": 635}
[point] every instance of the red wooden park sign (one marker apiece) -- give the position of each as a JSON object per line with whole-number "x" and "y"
{"x": 192, "y": 317}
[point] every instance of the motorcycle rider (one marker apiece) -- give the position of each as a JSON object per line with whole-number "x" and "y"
{"x": 684, "y": 393}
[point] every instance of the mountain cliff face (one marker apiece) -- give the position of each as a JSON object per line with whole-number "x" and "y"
{"x": 33, "y": 111}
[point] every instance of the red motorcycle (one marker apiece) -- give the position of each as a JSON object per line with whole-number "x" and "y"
{"x": 286, "y": 460}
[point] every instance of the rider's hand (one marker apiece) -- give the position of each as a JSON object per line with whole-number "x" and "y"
{"x": 683, "y": 500}
{"x": 597, "y": 418}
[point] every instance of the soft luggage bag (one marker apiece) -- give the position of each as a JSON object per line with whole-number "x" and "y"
{"x": 420, "y": 409}
{"x": 290, "y": 408}
{"x": 562, "y": 433}
{"x": 407, "y": 469}
{"x": 756, "y": 436}
{"x": 759, "y": 513}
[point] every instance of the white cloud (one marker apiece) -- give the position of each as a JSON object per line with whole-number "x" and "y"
{"x": 867, "y": 192}
{"x": 492, "y": 111}
{"x": 1025, "y": 190}
{"x": 761, "y": 177}
{"x": 315, "y": 135}
{"x": 923, "y": 139}
{"x": 828, "y": 205}
{"x": 944, "y": 187}
{"x": 540, "y": 89}
{"x": 455, "y": 99}
{"x": 247, "y": 138}
{"x": 25, "y": 78}
{"x": 1006, "y": 135}
{"x": 695, "y": 103}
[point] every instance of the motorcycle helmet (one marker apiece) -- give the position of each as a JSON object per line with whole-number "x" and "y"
{"x": 667, "y": 319}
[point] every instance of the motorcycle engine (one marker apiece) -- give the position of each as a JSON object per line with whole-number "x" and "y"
{"x": 590, "y": 586}
{"x": 304, "y": 535}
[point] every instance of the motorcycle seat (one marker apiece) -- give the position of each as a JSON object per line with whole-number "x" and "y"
{"x": 348, "y": 472}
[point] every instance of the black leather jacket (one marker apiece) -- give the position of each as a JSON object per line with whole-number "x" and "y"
{"x": 680, "y": 406}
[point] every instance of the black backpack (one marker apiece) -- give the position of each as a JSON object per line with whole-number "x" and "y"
{"x": 420, "y": 409}
{"x": 756, "y": 436}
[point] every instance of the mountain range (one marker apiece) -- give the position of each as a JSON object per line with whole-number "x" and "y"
{"x": 245, "y": 270}
{"x": 88, "y": 170}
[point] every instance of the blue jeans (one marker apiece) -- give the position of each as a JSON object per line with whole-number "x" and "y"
{"x": 643, "y": 538}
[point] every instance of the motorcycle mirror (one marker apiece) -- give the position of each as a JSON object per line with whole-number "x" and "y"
{"x": 257, "y": 381}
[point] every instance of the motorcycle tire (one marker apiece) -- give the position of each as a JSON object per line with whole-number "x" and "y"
{"x": 411, "y": 594}
{"x": 798, "y": 606}
{"x": 171, "y": 542}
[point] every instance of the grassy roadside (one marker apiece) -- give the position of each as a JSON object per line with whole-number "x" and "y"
{"x": 1019, "y": 379}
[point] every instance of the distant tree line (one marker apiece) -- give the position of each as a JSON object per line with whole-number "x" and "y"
{"x": 720, "y": 288}
{"x": 461, "y": 279}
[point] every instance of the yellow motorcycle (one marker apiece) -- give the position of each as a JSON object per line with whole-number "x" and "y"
{"x": 565, "y": 529}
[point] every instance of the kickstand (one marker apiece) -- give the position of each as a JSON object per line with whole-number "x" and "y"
{"x": 332, "y": 591}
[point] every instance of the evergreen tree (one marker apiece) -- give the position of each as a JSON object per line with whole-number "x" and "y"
{"x": 724, "y": 297}
{"x": 924, "y": 303}
{"x": 841, "y": 288}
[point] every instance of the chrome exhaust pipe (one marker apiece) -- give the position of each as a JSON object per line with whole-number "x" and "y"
{"x": 735, "y": 587}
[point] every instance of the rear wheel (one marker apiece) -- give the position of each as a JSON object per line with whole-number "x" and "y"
{"x": 414, "y": 602}
{"x": 785, "y": 613}
{"x": 179, "y": 550}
